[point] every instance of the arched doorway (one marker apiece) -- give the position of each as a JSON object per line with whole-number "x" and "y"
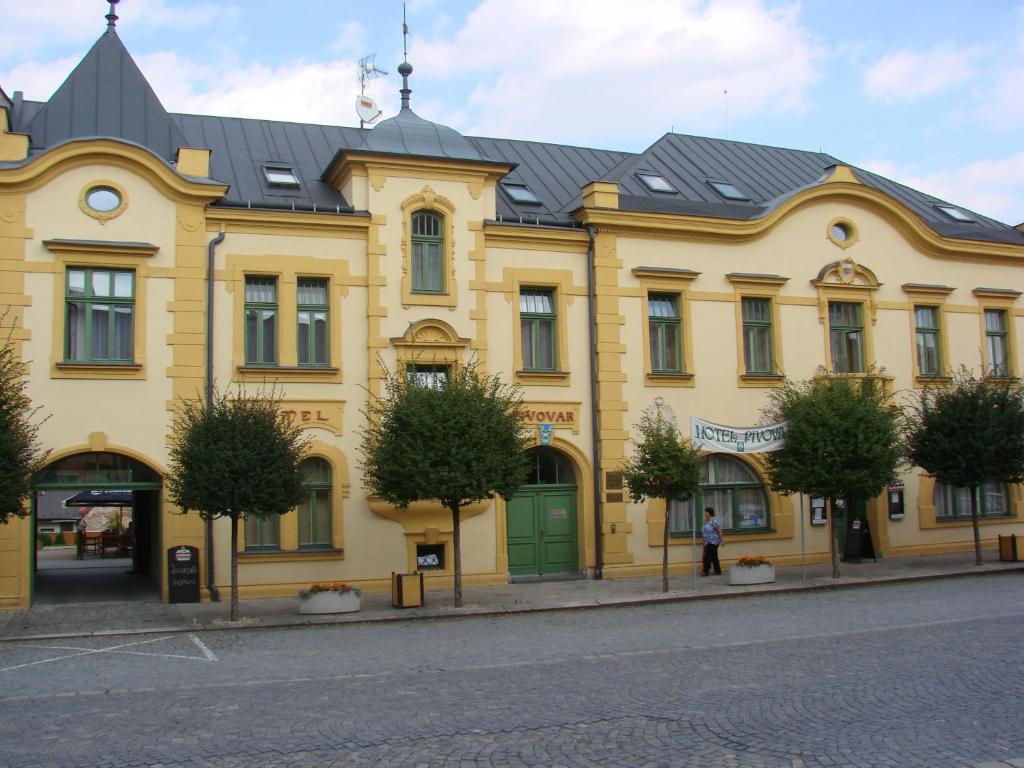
{"x": 117, "y": 500}
{"x": 541, "y": 519}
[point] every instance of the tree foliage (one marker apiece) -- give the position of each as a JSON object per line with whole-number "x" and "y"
{"x": 843, "y": 440}
{"x": 456, "y": 440}
{"x": 235, "y": 457}
{"x": 21, "y": 453}
{"x": 969, "y": 433}
{"x": 663, "y": 466}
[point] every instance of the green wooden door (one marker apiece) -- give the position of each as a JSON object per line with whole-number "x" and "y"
{"x": 541, "y": 524}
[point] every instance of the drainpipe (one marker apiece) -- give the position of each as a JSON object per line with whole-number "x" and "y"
{"x": 594, "y": 421}
{"x": 211, "y": 584}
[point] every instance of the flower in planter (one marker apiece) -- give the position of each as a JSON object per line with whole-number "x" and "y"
{"x": 752, "y": 561}
{"x": 330, "y": 586}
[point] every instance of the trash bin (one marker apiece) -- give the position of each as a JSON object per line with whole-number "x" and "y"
{"x": 1008, "y": 549}
{"x": 407, "y": 590}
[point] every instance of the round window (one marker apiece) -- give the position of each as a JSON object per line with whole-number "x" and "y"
{"x": 841, "y": 232}
{"x": 103, "y": 199}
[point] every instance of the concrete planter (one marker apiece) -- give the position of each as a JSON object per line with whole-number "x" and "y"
{"x": 759, "y": 574}
{"x": 329, "y": 602}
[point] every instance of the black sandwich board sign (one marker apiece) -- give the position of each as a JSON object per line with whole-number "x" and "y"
{"x": 858, "y": 541}
{"x": 183, "y": 574}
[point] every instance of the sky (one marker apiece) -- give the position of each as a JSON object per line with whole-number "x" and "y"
{"x": 930, "y": 94}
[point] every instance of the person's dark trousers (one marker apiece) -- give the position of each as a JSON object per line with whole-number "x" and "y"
{"x": 711, "y": 559}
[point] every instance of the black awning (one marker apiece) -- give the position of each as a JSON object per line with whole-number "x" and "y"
{"x": 103, "y": 498}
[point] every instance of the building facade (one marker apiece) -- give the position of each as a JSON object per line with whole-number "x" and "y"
{"x": 144, "y": 255}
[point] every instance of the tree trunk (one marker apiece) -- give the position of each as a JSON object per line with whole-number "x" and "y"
{"x": 664, "y": 552}
{"x": 974, "y": 525}
{"x": 835, "y": 537}
{"x": 234, "y": 567}
{"x": 457, "y": 554}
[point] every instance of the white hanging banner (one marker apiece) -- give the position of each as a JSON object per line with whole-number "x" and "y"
{"x": 708, "y": 436}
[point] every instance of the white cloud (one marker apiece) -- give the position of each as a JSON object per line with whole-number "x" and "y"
{"x": 38, "y": 80}
{"x": 994, "y": 188}
{"x": 910, "y": 75}
{"x": 611, "y": 75}
{"x": 351, "y": 39}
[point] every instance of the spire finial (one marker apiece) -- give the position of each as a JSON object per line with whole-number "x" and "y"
{"x": 111, "y": 16}
{"x": 405, "y": 68}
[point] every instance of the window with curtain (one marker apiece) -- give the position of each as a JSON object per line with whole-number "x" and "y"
{"x": 663, "y": 321}
{"x": 430, "y": 375}
{"x": 996, "y": 343}
{"x": 952, "y": 502}
{"x": 926, "y": 323}
{"x": 315, "y": 508}
{"x": 263, "y": 532}
{"x": 757, "y": 334}
{"x": 427, "y": 252}
{"x": 732, "y": 489}
{"x": 260, "y": 320}
{"x": 537, "y": 325}
{"x": 100, "y": 312}
{"x": 313, "y": 314}
{"x": 846, "y": 336}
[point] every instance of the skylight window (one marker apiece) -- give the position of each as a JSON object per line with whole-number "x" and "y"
{"x": 656, "y": 183}
{"x": 280, "y": 176}
{"x": 521, "y": 193}
{"x": 955, "y": 213}
{"x": 727, "y": 190}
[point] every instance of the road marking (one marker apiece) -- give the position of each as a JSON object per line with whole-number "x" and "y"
{"x": 85, "y": 652}
{"x": 202, "y": 647}
{"x": 208, "y": 655}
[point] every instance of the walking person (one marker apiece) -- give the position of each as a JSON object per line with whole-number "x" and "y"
{"x": 80, "y": 536}
{"x": 712, "y": 531}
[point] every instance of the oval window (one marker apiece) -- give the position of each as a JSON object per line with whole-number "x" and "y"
{"x": 103, "y": 199}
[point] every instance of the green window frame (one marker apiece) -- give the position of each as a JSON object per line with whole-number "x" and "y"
{"x": 429, "y": 375}
{"x": 260, "y": 320}
{"x": 735, "y": 492}
{"x": 665, "y": 330}
{"x": 313, "y": 322}
{"x": 929, "y": 350}
{"x": 997, "y": 343}
{"x": 427, "y": 252}
{"x": 537, "y": 320}
{"x": 99, "y": 317}
{"x": 548, "y": 467}
{"x": 954, "y": 503}
{"x": 758, "y": 354}
{"x": 262, "y": 533}
{"x": 316, "y": 507}
{"x": 846, "y": 336}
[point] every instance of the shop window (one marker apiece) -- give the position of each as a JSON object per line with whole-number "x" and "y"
{"x": 313, "y": 322}
{"x": 733, "y": 490}
{"x": 260, "y": 320}
{"x": 262, "y": 532}
{"x": 664, "y": 322}
{"x": 315, "y": 508}
{"x": 757, "y": 335}
{"x": 996, "y": 346}
{"x": 430, "y": 557}
{"x": 100, "y": 312}
{"x": 427, "y": 252}
{"x": 953, "y": 503}
{"x": 846, "y": 336}
{"x": 926, "y": 325}
{"x": 537, "y": 325}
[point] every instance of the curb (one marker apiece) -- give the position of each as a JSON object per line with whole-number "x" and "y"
{"x": 675, "y": 596}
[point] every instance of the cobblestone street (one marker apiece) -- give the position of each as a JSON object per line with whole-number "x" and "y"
{"x": 924, "y": 674}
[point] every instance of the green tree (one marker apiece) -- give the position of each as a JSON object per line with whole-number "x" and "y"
{"x": 236, "y": 457}
{"x": 457, "y": 439}
{"x": 843, "y": 441}
{"x": 663, "y": 466}
{"x": 21, "y": 453}
{"x": 969, "y": 433}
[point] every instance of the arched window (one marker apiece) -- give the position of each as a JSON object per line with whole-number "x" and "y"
{"x": 732, "y": 489}
{"x": 427, "y": 252}
{"x": 951, "y": 502}
{"x": 548, "y": 467}
{"x": 315, "y": 507}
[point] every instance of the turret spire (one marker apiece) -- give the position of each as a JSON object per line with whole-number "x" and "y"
{"x": 111, "y": 16}
{"x": 405, "y": 68}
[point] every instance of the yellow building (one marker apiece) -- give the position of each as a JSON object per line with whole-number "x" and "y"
{"x": 146, "y": 254}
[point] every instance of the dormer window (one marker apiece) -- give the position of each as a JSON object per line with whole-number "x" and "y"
{"x": 656, "y": 183}
{"x": 728, "y": 191}
{"x": 520, "y": 193}
{"x": 956, "y": 214}
{"x": 280, "y": 176}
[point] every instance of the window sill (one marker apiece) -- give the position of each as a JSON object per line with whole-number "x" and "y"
{"x": 762, "y": 379}
{"x": 66, "y": 369}
{"x": 729, "y": 535}
{"x": 551, "y": 378}
{"x": 981, "y": 519}
{"x": 667, "y": 379}
{"x": 931, "y": 381}
{"x": 288, "y": 373}
{"x": 290, "y": 555}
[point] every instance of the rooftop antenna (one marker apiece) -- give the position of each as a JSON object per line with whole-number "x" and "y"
{"x": 366, "y": 107}
{"x": 405, "y": 68}
{"x": 111, "y": 17}
{"x": 725, "y": 93}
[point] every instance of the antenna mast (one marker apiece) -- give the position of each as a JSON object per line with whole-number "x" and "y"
{"x": 368, "y": 70}
{"x": 725, "y": 93}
